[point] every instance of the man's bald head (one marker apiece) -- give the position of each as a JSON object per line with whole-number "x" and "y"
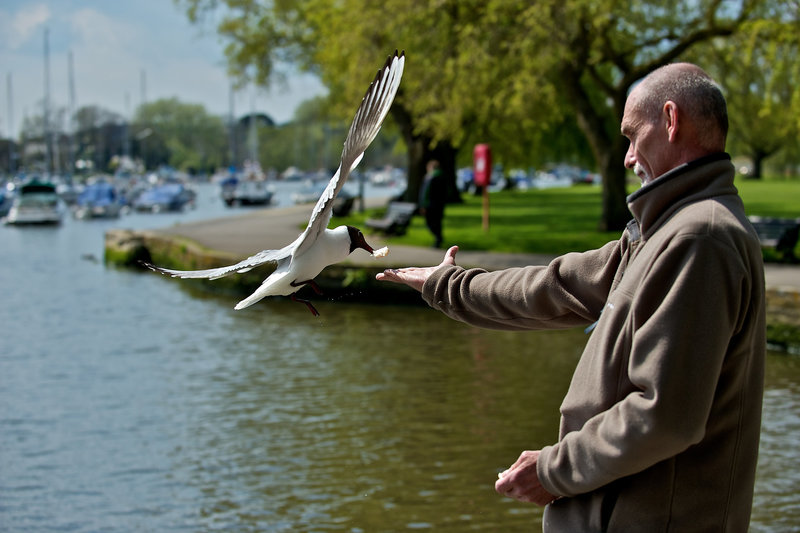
{"x": 696, "y": 95}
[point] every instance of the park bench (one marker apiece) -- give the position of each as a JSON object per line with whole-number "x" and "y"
{"x": 780, "y": 234}
{"x": 396, "y": 220}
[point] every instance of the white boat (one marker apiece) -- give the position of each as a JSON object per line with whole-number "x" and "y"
{"x": 246, "y": 192}
{"x": 36, "y": 203}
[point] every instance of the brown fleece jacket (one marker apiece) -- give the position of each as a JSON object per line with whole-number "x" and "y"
{"x": 660, "y": 426}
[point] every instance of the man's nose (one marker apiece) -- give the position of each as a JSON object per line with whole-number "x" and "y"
{"x": 630, "y": 160}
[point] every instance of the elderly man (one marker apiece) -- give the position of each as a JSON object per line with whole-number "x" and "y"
{"x": 660, "y": 426}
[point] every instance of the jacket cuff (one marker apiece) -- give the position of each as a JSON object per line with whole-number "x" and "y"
{"x": 434, "y": 281}
{"x": 544, "y": 473}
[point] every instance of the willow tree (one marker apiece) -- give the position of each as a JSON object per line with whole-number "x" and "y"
{"x": 759, "y": 75}
{"x": 495, "y": 70}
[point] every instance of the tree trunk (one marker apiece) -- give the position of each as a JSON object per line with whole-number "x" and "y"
{"x": 758, "y": 164}
{"x": 615, "y": 205}
{"x": 421, "y": 150}
{"x": 609, "y": 150}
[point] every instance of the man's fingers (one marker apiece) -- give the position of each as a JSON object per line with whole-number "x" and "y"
{"x": 392, "y": 274}
{"x": 450, "y": 255}
{"x": 386, "y": 275}
{"x": 503, "y": 487}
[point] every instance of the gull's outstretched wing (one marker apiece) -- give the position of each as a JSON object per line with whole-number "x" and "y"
{"x": 366, "y": 124}
{"x": 265, "y": 256}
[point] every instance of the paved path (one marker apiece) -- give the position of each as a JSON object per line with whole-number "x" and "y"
{"x": 276, "y": 227}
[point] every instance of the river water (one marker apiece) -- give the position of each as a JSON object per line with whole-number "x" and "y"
{"x": 131, "y": 402}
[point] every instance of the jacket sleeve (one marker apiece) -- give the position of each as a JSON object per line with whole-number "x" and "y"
{"x": 568, "y": 292}
{"x": 683, "y": 317}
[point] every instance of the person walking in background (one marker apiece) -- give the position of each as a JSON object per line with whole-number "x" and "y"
{"x": 432, "y": 200}
{"x": 660, "y": 426}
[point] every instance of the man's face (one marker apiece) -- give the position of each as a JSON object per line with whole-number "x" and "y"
{"x": 648, "y": 141}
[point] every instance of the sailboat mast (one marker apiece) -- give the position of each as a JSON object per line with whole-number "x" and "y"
{"x": 71, "y": 119}
{"x": 46, "y": 119}
{"x": 10, "y": 126}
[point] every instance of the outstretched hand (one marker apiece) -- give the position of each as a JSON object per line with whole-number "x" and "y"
{"x": 415, "y": 277}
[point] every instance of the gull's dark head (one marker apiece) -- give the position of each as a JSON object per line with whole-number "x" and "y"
{"x": 357, "y": 240}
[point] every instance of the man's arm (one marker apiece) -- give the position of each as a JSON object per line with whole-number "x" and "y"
{"x": 570, "y": 291}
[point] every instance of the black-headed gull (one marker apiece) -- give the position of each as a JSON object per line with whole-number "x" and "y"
{"x": 317, "y": 247}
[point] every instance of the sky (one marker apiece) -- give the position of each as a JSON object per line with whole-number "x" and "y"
{"x": 115, "y": 44}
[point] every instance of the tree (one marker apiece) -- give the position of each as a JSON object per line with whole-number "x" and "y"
{"x": 757, "y": 83}
{"x": 92, "y": 116}
{"x": 183, "y": 134}
{"x": 304, "y": 142}
{"x": 759, "y": 75}
{"x": 434, "y": 103}
{"x": 99, "y": 135}
{"x": 606, "y": 47}
{"x": 9, "y": 150}
{"x": 488, "y": 69}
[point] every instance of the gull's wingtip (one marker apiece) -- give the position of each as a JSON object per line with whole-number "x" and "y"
{"x": 396, "y": 57}
{"x": 151, "y": 266}
{"x": 162, "y": 271}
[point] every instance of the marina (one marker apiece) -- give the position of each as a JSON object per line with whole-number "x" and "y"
{"x": 133, "y": 402}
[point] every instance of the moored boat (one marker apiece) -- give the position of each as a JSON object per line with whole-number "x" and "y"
{"x": 36, "y": 203}
{"x": 167, "y": 197}
{"x": 98, "y": 200}
{"x": 245, "y": 192}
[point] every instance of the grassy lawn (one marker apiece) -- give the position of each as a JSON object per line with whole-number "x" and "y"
{"x": 775, "y": 198}
{"x": 560, "y": 220}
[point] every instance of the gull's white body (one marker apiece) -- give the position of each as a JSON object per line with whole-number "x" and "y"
{"x": 331, "y": 246}
{"x": 317, "y": 247}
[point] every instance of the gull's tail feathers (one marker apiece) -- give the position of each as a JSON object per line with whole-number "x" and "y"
{"x": 268, "y": 288}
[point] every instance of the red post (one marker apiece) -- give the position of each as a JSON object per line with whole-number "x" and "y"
{"x": 482, "y": 168}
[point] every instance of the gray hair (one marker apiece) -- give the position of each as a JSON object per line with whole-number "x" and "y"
{"x": 695, "y": 93}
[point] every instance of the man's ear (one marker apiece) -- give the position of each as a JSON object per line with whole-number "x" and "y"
{"x": 671, "y": 116}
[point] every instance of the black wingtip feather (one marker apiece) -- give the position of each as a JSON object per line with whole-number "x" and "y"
{"x": 151, "y": 266}
{"x": 386, "y": 65}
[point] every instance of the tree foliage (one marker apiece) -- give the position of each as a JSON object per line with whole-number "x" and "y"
{"x": 186, "y": 134}
{"x": 510, "y": 73}
{"x": 92, "y": 134}
{"x": 759, "y": 74}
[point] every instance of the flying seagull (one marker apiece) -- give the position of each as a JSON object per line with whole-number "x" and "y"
{"x": 317, "y": 247}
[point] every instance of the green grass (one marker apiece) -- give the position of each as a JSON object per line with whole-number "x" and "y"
{"x": 544, "y": 221}
{"x": 773, "y": 198}
{"x": 557, "y": 221}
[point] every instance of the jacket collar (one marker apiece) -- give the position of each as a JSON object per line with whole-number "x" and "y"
{"x": 700, "y": 179}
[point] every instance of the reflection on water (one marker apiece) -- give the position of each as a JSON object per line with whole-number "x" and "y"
{"x": 371, "y": 419}
{"x": 131, "y": 402}
{"x": 776, "y": 506}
